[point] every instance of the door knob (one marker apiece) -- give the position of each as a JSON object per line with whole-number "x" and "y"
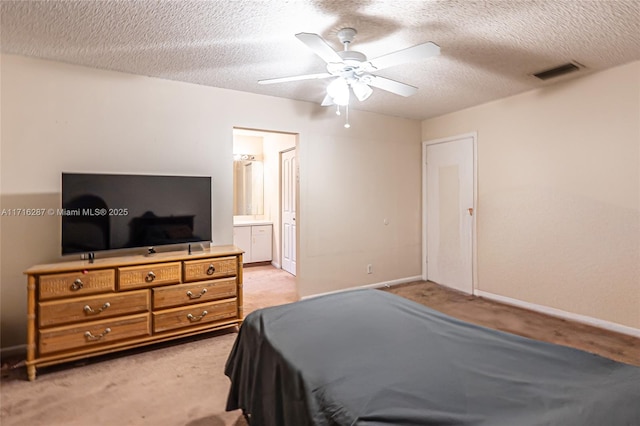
{"x": 470, "y": 211}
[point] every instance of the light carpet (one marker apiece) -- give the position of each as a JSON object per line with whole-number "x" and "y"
{"x": 180, "y": 384}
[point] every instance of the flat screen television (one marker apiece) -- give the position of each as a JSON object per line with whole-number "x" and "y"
{"x": 117, "y": 211}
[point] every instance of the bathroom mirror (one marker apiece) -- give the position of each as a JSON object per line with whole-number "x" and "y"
{"x": 248, "y": 187}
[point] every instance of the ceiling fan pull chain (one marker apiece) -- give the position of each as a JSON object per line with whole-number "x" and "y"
{"x": 346, "y": 124}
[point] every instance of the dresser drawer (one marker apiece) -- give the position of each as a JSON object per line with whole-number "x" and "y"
{"x": 131, "y": 277}
{"x": 91, "y": 308}
{"x": 184, "y": 294}
{"x": 198, "y": 270}
{"x": 93, "y": 333}
{"x": 79, "y": 283}
{"x": 203, "y": 313}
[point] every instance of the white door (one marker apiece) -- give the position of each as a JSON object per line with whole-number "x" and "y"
{"x": 449, "y": 212}
{"x": 288, "y": 173}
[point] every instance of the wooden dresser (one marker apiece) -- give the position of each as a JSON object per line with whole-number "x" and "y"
{"x": 79, "y": 309}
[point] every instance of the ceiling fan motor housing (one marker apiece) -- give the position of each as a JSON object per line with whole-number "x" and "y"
{"x": 352, "y": 58}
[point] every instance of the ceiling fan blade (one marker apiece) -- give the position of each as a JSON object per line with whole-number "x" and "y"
{"x": 392, "y": 86}
{"x": 295, "y": 78}
{"x": 415, "y": 53}
{"x": 319, "y": 47}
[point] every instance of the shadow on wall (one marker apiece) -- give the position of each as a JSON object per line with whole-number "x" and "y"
{"x": 26, "y": 241}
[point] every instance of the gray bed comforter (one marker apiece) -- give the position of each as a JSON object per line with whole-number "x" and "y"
{"x": 368, "y": 357}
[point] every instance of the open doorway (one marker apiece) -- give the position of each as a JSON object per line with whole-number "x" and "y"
{"x": 257, "y": 196}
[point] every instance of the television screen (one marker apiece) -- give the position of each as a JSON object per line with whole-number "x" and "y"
{"x": 112, "y": 211}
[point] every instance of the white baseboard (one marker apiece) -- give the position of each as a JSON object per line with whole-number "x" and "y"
{"x": 276, "y": 265}
{"x": 13, "y": 351}
{"x": 375, "y": 285}
{"x": 611, "y": 326}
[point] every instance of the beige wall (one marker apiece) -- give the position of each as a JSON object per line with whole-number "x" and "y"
{"x": 243, "y": 144}
{"x": 558, "y": 219}
{"x": 58, "y": 117}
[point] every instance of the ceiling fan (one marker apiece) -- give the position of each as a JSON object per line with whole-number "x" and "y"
{"x": 353, "y": 72}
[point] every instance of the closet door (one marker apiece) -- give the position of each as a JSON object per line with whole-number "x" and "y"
{"x": 289, "y": 228}
{"x": 449, "y": 213}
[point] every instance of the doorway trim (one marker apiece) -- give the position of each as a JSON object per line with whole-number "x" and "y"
{"x": 474, "y": 252}
{"x": 276, "y": 224}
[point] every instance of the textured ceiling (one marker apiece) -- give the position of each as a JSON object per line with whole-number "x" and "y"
{"x": 488, "y": 48}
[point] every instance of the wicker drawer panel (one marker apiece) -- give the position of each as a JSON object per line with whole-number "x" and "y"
{"x": 170, "y": 319}
{"x": 131, "y": 277}
{"x": 184, "y": 294}
{"x": 197, "y": 270}
{"x": 76, "y": 283}
{"x": 91, "y": 308}
{"x": 75, "y": 336}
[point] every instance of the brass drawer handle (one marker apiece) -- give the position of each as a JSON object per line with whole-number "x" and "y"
{"x": 198, "y": 318}
{"x": 211, "y": 269}
{"x": 90, "y": 336}
{"x": 89, "y": 310}
{"x": 150, "y": 276}
{"x": 192, "y": 296}
{"x": 77, "y": 285}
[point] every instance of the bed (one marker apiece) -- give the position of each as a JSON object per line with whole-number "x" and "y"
{"x": 369, "y": 357}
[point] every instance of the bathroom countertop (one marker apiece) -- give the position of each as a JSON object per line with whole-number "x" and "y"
{"x": 249, "y": 222}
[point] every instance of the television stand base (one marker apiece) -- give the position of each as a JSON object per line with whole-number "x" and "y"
{"x": 90, "y": 256}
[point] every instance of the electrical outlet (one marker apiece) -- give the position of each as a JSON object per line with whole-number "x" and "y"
{"x": 369, "y": 269}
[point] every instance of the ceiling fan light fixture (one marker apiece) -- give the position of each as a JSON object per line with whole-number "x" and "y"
{"x": 338, "y": 90}
{"x": 361, "y": 90}
{"x": 352, "y": 71}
